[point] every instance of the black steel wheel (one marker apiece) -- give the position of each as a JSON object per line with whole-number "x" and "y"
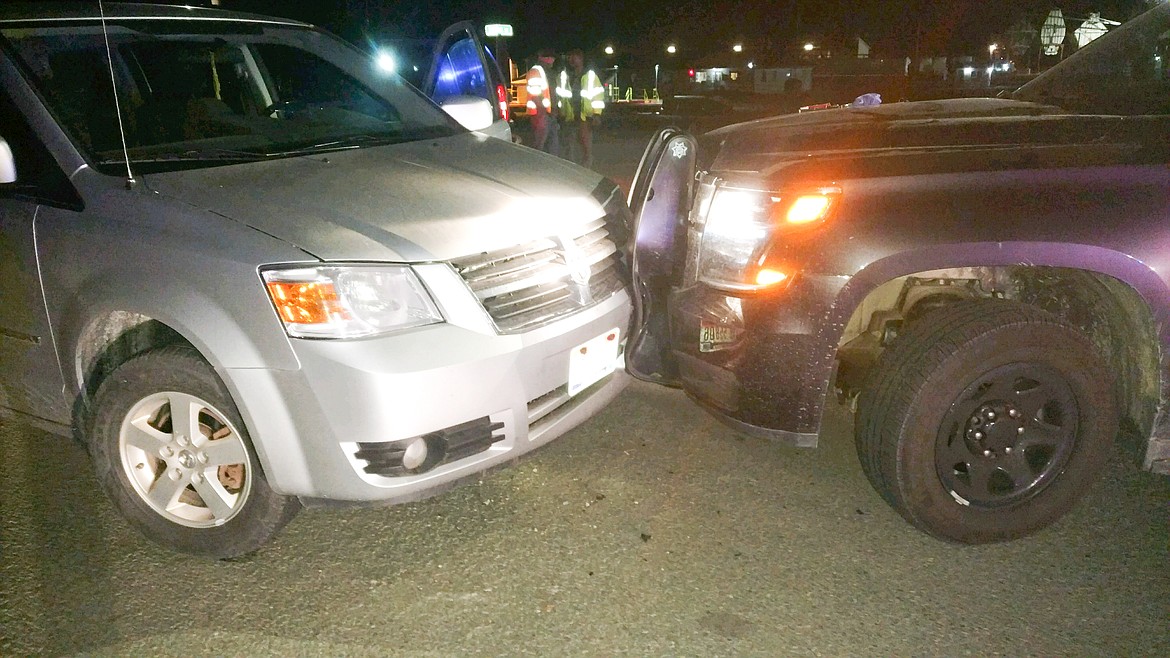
{"x": 985, "y": 421}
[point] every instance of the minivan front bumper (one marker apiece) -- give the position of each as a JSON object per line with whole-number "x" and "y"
{"x": 318, "y": 430}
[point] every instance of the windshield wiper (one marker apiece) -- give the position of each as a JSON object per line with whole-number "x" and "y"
{"x": 341, "y": 144}
{"x": 191, "y": 155}
{"x": 365, "y": 140}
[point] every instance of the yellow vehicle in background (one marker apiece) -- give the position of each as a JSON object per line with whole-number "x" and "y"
{"x": 518, "y": 92}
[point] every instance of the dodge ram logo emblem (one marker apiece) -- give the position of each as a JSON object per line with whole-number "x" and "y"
{"x": 578, "y": 269}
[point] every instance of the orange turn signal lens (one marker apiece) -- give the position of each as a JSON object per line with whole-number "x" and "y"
{"x": 306, "y": 302}
{"x": 805, "y": 208}
{"x": 770, "y": 277}
{"x": 809, "y": 208}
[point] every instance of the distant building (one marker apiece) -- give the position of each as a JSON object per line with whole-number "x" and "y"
{"x": 782, "y": 80}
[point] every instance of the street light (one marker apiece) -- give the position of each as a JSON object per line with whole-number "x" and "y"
{"x": 671, "y": 49}
{"x": 386, "y": 62}
{"x": 808, "y": 47}
{"x": 738, "y": 48}
{"x": 609, "y": 50}
{"x": 499, "y": 31}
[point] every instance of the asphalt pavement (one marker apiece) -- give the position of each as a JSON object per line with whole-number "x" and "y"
{"x": 651, "y": 530}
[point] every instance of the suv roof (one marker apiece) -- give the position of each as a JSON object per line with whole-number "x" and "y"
{"x": 28, "y": 12}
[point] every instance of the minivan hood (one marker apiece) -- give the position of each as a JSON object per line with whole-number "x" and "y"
{"x": 432, "y": 200}
{"x": 920, "y": 137}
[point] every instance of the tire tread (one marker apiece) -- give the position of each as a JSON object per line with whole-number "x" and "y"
{"x": 904, "y": 369}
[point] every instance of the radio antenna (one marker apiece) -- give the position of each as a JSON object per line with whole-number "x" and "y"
{"x": 117, "y": 105}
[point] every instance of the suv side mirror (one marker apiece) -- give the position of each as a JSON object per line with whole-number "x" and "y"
{"x": 472, "y": 112}
{"x": 7, "y": 163}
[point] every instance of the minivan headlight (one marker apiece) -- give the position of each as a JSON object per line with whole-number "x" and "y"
{"x": 349, "y": 301}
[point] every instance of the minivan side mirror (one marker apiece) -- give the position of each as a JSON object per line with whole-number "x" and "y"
{"x": 472, "y": 112}
{"x": 7, "y": 163}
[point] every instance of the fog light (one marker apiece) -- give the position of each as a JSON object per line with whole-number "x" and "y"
{"x": 415, "y": 454}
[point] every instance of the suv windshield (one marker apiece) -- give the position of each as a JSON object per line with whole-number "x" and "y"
{"x": 1125, "y": 72}
{"x": 205, "y": 93}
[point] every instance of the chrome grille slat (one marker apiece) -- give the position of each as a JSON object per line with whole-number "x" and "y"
{"x": 503, "y": 268}
{"x": 476, "y": 262}
{"x": 532, "y": 308}
{"x": 532, "y": 284}
{"x": 509, "y": 307}
{"x": 544, "y": 273}
{"x": 593, "y": 237}
{"x": 599, "y": 251}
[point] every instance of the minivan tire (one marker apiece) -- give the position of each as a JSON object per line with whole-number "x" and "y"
{"x": 198, "y": 489}
{"x": 986, "y": 420}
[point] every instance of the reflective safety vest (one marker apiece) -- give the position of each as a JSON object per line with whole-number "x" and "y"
{"x": 592, "y": 97}
{"x": 538, "y": 90}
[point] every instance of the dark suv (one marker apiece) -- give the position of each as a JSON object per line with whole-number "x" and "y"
{"x": 984, "y": 280}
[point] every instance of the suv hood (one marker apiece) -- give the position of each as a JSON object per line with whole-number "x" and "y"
{"x": 920, "y": 137}
{"x": 422, "y": 201}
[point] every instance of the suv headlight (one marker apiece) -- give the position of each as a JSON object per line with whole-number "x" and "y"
{"x": 740, "y": 226}
{"x": 349, "y": 301}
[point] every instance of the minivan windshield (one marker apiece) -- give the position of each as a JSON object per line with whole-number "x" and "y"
{"x": 1126, "y": 72}
{"x": 196, "y": 94}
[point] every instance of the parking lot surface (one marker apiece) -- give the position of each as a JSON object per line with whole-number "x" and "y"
{"x": 650, "y": 530}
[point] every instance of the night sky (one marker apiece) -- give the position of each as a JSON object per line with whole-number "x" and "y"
{"x": 895, "y": 28}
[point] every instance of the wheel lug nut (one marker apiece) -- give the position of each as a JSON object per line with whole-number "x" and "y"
{"x": 1008, "y": 450}
{"x": 1014, "y": 413}
{"x": 182, "y": 440}
{"x": 990, "y": 415}
{"x": 197, "y": 478}
{"x": 166, "y": 451}
{"x": 203, "y": 458}
{"x": 176, "y": 473}
{"x": 979, "y": 436}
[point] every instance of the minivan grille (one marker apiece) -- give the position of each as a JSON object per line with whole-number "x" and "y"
{"x": 533, "y": 284}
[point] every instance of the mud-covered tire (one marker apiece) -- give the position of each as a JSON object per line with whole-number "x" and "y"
{"x": 193, "y": 484}
{"x": 985, "y": 421}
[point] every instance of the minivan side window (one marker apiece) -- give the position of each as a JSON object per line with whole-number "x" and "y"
{"x": 38, "y": 177}
{"x": 211, "y": 94}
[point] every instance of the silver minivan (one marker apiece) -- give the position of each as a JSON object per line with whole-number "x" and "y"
{"x": 252, "y": 269}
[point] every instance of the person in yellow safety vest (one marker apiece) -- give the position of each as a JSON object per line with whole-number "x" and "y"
{"x": 545, "y": 131}
{"x": 580, "y": 100}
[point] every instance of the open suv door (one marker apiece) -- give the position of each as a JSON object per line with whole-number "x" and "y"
{"x": 659, "y": 200}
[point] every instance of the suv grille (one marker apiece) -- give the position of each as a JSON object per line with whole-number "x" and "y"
{"x": 535, "y": 283}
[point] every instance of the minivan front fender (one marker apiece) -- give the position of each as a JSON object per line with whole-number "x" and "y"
{"x": 122, "y": 258}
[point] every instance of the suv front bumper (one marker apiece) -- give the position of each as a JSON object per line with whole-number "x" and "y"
{"x": 761, "y": 364}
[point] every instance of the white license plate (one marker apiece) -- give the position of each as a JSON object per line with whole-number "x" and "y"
{"x": 592, "y": 360}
